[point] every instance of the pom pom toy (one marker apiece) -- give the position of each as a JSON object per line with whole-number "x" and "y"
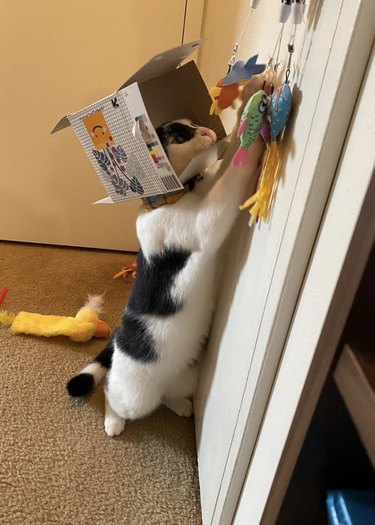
{"x": 81, "y": 328}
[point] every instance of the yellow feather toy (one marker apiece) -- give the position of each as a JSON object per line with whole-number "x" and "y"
{"x": 259, "y": 204}
{"x": 81, "y": 328}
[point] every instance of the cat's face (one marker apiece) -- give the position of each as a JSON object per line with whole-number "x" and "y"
{"x": 182, "y": 141}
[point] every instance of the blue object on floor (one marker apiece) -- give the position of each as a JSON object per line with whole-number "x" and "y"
{"x": 351, "y": 507}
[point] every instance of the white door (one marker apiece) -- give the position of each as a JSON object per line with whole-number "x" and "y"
{"x": 59, "y": 56}
{"x": 264, "y": 269}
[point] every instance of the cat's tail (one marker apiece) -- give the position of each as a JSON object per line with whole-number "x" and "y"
{"x": 91, "y": 375}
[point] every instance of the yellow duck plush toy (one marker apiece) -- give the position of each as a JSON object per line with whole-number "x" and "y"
{"x": 81, "y": 328}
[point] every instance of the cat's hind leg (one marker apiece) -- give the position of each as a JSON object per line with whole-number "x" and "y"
{"x": 179, "y": 389}
{"x": 113, "y": 423}
{"x": 182, "y": 407}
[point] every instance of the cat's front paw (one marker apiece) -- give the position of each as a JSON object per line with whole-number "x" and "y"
{"x": 114, "y": 425}
{"x": 181, "y": 407}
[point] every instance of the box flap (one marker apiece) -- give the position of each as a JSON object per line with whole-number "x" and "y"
{"x": 180, "y": 93}
{"x": 62, "y": 123}
{"x": 158, "y": 65}
{"x": 163, "y": 62}
{"x": 106, "y": 200}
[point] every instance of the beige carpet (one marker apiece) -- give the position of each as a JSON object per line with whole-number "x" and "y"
{"x": 57, "y": 466}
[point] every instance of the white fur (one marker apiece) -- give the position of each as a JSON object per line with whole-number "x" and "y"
{"x": 181, "y": 154}
{"x": 95, "y": 302}
{"x": 199, "y": 223}
{"x": 97, "y": 371}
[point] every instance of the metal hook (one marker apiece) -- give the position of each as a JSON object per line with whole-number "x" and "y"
{"x": 233, "y": 56}
{"x": 290, "y": 51}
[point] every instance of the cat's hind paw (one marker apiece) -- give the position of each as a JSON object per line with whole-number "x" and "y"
{"x": 114, "y": 425}
{"x": 181, "y": 407}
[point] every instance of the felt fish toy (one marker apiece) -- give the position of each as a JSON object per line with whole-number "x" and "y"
{"x": 223, "y": 97}
{"x": 81, "y": 328}
{"x": 281, "y": 106}
{"x": 242, "y": 71}
{"x": 251, "y": 123}
{"x": 259, "y": 204}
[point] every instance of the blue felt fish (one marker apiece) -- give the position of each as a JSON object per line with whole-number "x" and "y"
{"x": 281, "y": 106}
{"x": 242, "y": 71}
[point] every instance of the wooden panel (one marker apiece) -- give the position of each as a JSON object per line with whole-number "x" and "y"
{"x": 355, "y": 379}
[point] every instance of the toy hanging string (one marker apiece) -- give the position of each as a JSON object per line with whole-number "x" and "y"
{"x": 276, "y": 62}
{"x": 227, "y": 90}
{"x": 237, "y": 44}
{"x": 271, "y": 129}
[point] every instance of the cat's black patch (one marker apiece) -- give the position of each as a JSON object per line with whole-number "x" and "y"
{"x": 152, "y": 288}
{"x": 105, "y": 356}
{"x": 80, "y": 385}
{"x": 133, "y": 339}
{"x": 175, "y": 133}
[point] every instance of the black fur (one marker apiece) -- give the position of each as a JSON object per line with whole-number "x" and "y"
{"x": 83, "y": 384}
{"x": 152, "y": 288}
{"x": 80, "y": 385}
{"x": 151, "y": 295}
{"x": 133, "y": 339}
{"x": 175, "y": 133}
{"x": 105, "y": 356}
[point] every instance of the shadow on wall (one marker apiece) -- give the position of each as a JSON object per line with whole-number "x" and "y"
{"x": 235, "y": 252}
{"x": 233, "y": 256}
{"x": 313, "y": 14}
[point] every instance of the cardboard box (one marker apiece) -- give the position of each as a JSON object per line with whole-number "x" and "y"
{"x": 118, "y": 131}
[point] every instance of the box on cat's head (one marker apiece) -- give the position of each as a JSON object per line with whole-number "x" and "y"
{"x": 118, "y": 131}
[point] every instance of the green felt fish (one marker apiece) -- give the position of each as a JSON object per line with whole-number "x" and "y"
{"x": 252, "y": 120}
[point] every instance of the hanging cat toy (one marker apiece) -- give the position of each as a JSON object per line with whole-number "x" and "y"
{"x": 267, "y": 116}
{"x": 239, "y": 73}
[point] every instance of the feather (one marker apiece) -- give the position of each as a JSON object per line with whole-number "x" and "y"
{"x": 95, "y": 302}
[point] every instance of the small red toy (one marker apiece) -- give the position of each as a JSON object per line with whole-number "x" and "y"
{"x": 3, "y": 294}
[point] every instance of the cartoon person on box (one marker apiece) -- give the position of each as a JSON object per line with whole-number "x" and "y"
{"x": 111, "y": 158}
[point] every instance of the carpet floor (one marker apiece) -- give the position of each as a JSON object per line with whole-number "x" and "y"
{"x": 57, "y": 465}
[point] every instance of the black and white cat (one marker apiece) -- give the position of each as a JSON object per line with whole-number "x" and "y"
{"x": 152, "y": 357}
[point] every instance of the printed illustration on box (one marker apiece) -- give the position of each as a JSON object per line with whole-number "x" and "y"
{"x": 117, "y": 132}
{"x": 143, "y": 129}
{"x": 112, "y": 159}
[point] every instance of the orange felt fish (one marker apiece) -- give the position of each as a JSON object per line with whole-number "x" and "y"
{"x": 223, "y": 96}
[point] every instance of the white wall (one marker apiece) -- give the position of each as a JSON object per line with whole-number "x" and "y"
{"x": 345, "y": 240}
{"x": 264, "y": 269}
